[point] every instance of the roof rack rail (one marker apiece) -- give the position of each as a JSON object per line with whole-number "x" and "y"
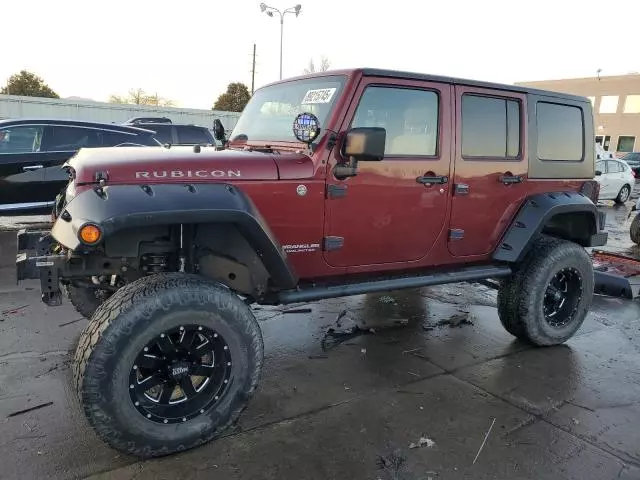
{"x": 137, "y": 120}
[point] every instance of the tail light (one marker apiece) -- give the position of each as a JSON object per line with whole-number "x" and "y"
{"x": 591, "y": 190}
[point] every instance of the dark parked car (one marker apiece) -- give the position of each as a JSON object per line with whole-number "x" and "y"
{"x": 633, "y": 160}
{"x": 175, "y": 134}
{"x": 33, "y": 150}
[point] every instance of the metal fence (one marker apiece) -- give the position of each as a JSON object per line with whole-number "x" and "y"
{"x": 12, "y": 106}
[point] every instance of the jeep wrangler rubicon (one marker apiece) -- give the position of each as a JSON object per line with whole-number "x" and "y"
{"x": 333, "y": 184}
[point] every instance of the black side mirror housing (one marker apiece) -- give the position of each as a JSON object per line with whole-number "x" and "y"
{"x": 218, "y": 131}
{"x": 598, "y": 173}
{"x": 365, "y": 143}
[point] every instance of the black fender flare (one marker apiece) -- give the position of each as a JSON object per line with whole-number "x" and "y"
{"x": 118, "y": 207}
{"x": 536, "y": 212}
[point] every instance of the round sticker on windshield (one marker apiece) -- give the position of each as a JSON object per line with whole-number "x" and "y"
{"x": 306, "y": 127}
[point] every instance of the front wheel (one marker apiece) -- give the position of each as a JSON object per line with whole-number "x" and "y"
{"x": 548, "y": 296}
{"x": 167, "y": 363}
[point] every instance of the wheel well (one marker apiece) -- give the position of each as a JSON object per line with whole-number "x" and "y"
{"x": 215, "y": 250}
{"x": 574, "y": 226}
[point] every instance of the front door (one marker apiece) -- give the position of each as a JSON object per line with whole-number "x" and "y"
{"x": 490, "y": 168}
{"x": 21, "y": 168}
{"x": 384, "y": 214}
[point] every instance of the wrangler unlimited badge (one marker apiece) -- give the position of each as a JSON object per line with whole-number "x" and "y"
{"x": 189, "y": 174}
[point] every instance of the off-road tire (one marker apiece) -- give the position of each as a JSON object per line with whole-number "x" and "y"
{"x": 623, "y": 195}
{"x": 521, "y": 295}
{"x": 84, "y": 299}
{"x": 134, "y": 315}
{"x": 634, "y": 230}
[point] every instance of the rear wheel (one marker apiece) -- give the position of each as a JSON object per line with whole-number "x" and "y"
{"x": 167, "y": 363}
{"x": 634, "y": 230}
{"x": 547, "y": 298}
{"x": 623, "y": 194}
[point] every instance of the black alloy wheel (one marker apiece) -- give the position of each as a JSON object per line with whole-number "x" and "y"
{"x": 180, "y": 374}
{"x": 562, "y": 297}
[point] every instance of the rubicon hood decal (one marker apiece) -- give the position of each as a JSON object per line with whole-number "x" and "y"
{"x": 234, "y": 173}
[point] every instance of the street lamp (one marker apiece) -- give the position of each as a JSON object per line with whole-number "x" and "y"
{"x": 270, "y": 11}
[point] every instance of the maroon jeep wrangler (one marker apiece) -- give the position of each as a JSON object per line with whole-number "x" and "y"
{"x": 334, "y": 184}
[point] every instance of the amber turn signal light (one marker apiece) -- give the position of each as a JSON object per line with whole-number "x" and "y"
{"x": 90, "y": 234}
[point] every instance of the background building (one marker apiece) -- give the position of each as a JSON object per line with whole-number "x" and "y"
{"x": 12, "y": 106}
{"x": 616, "y": 102}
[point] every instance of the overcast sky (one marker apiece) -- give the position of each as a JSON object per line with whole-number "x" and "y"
{"x": 190, "y": 50}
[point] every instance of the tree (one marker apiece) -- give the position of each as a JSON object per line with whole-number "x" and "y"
{"x": 325, "y": 64}
{"x": 138, "y": 96}
{"x": 29, "y": 85}
{"x": 234, "y": 99}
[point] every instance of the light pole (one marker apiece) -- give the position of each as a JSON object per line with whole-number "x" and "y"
{"x": 270, "y": 11}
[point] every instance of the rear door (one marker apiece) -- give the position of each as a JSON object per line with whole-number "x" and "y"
{"x": 490, "y": 167}
{"x": 602, "y": 179}
{"x": 615, "y": 177}
{"x": 21, "y": 167}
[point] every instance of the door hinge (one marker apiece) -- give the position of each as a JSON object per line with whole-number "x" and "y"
{"x": 336, "y": 191}
{"x": 456, "y": 234}
{"x": 462, "y": 189}
{"x": 332, "y": 243}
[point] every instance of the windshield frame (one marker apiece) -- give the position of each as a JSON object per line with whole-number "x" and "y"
{"x": 315, "y": 82}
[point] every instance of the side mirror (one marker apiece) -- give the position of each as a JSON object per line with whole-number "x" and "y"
{"x": 218, "y": 130}
{"x": 365, "y": 143}
{"x": 598, "y": 173}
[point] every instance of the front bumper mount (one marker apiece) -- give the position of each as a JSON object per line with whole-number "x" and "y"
{"x": 36, "y": 259}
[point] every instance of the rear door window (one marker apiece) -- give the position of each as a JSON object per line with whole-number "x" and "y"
{"x": 193, "y": 135}
{"x": 69, "y": 138}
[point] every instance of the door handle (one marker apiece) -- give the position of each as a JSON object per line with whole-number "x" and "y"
{"x": 432, "y": 180}
{"x": 30, "y": 168}
{"x": 507, "y": 178}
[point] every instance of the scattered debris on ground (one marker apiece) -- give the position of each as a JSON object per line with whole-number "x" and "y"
{"x": 4, "y": 315}
{"x": 298, "y": 310}
{"x": 31, "y": 409}
{"x": 456, "y": 320}
{"x": 484, "y": 441}
{"x": 392, "y": 464}
{"x": 71, "y": 322}
{"x": 422, "y": 442}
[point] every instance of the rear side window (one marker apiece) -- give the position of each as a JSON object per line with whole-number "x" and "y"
{"x": 490, "y": 127}
{"x": 560, "y": 132}
{"x": 67, "y": 138}
{"x": 111, "y": 139}
{"x": 162, "y": 132}
{"x": 614, "y": 167}
{"x": 193, "y": 135}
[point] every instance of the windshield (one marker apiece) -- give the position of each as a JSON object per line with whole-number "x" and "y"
{"x": 270, "y": 113}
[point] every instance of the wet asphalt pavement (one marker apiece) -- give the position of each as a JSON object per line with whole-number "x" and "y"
{"x": 431, "y": 364}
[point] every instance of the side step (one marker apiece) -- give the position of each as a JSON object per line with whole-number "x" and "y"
{"x": 320, "y": 292}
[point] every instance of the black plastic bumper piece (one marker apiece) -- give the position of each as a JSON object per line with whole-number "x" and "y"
{"x": 614, "y": 286}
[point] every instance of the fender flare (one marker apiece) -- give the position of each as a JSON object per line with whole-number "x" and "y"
{"x": 535, "y": 214}
{"x": 118, "y": 207}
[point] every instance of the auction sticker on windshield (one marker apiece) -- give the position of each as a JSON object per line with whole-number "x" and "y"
{"x": 320, "y": 95}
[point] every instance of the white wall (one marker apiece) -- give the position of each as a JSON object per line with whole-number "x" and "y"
{"x": 12, "y": 106}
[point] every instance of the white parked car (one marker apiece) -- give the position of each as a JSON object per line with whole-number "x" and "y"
{"x": 616, "y": 180}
